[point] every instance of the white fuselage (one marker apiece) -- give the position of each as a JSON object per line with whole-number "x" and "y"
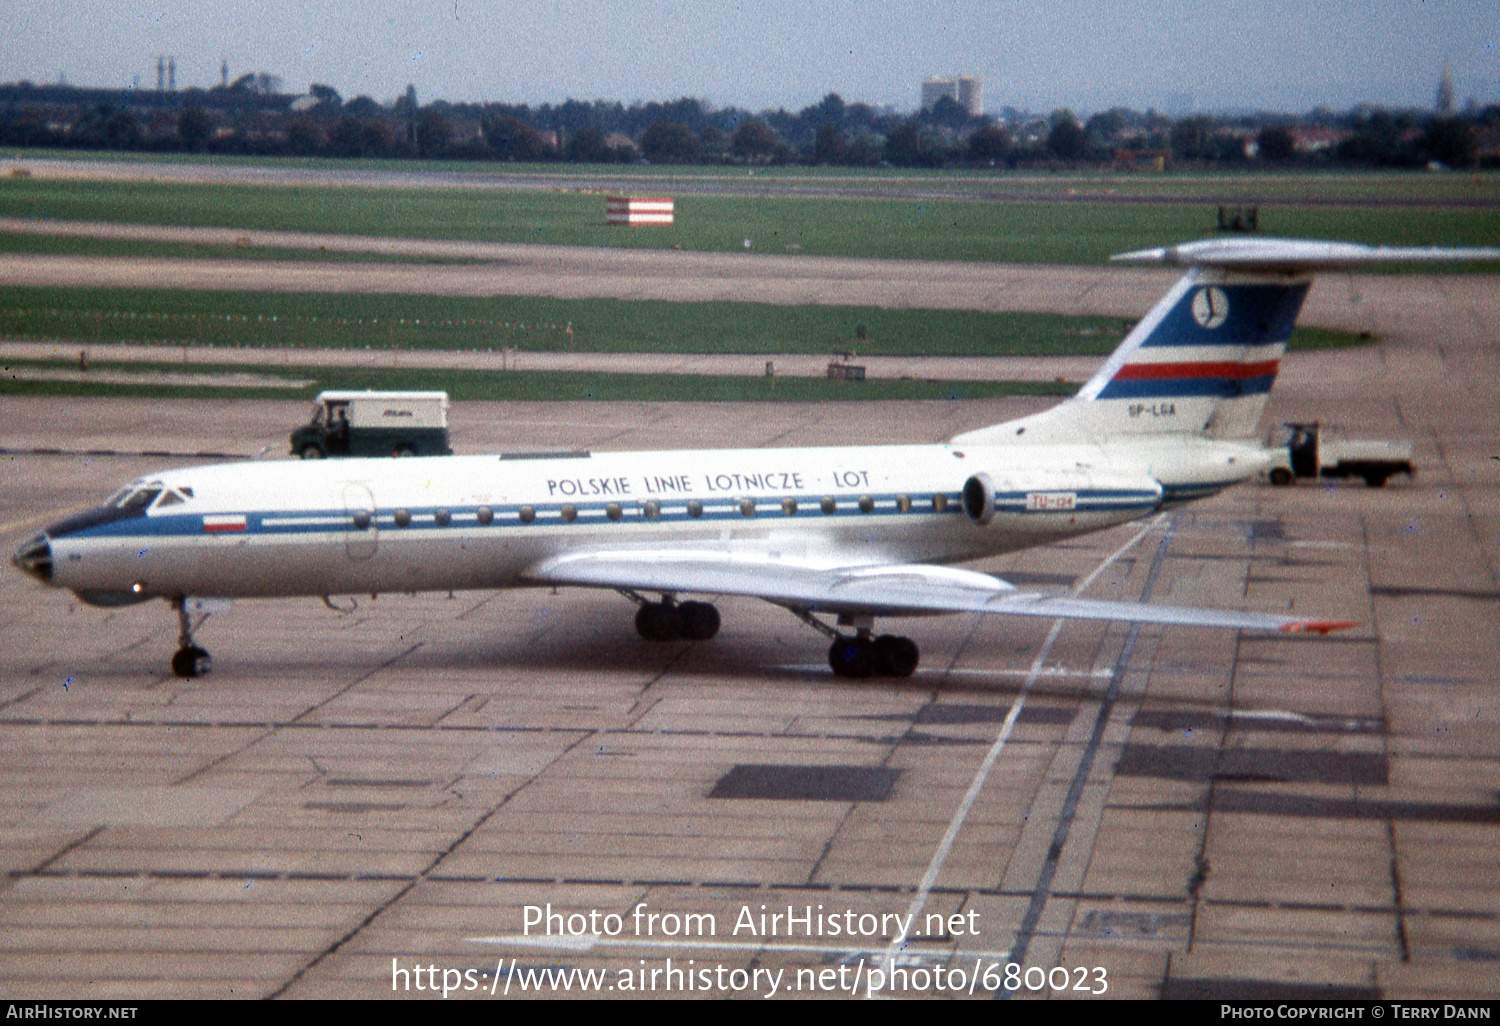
{"x": 855, "y": 532}
{"x": 447, "y": 523}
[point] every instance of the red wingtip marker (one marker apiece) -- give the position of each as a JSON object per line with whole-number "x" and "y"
{"x": 1319, "y": 626}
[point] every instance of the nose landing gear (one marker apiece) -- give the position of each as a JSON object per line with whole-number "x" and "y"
{"x": 190, "y": 660}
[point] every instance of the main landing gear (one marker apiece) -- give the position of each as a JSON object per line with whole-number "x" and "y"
{"x": 858, "y": 656}
{"x": 862, "y": 656}
{"x": 189, "y": 660}
{"x": 669, "y": 620}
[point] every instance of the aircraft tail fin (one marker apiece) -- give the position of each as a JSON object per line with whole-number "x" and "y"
{"x": 1203, "y": 360}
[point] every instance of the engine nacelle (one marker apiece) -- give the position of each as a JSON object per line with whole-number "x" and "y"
{"x": 1066, "y": 502}
{"x": 979, "y": 498}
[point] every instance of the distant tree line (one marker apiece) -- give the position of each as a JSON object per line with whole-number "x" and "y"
{"x": 254, "y": 116}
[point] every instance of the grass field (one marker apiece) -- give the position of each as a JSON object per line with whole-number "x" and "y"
{"x": 16, "y": 242}
{"x": 1064, "y": 230}
{"x": 472, "y": 385}
{"x": 378, "y": 322}
{"x": 537, "y": 324}
{"x": 975, "y": 217}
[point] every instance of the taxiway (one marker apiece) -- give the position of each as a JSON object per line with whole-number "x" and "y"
{"x": 1196, "y": 813}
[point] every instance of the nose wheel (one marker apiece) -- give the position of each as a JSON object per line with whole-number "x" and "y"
{"x": 190, "y": 660}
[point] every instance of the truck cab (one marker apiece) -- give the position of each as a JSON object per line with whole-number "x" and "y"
{"x": 375, "y": 424}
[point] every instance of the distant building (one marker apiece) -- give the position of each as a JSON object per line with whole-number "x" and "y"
{"x": 1445, "y": 91}
{"x": 1318, "y": 138}
{"x": 965, "y": 90}
{"x": 1142, "y": 160}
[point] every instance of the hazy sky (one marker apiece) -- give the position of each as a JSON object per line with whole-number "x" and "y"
{"x": 1274, "y": 54}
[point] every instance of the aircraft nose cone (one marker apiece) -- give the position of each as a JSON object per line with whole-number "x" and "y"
{"x": 35, "y": 557}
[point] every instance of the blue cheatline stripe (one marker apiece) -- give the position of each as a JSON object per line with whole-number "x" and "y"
{"x": 508, "y": 516}
{"x": 1190, "y": 490}
{"x": 1088, "y": 500}
{"x": 281, "y": 523}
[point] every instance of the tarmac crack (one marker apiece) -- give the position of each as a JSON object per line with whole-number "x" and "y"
{"x": 425, "y": 875}
{"x": 1397, "y": 900}
{"x": 40, "y": 868}
{"x": 270, "y": 730}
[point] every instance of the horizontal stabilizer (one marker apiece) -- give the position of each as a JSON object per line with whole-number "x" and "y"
{"x": 1292, "y": 256}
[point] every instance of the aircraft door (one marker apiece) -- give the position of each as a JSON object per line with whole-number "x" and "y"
{"x": 361, "y": 535}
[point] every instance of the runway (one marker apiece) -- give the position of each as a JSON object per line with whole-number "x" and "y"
{"x": 357, "y": 803}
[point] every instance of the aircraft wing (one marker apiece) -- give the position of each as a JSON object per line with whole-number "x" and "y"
{"x": 882, "y": 590}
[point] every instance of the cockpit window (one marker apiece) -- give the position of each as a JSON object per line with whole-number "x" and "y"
{"x": 140, "y": 497}
{"x": 174, "y": 496}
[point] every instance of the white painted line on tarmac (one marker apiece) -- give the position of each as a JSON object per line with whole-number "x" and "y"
{"x": 940, "y": 857}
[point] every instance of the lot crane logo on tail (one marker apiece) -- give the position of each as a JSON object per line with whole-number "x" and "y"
{"x": 1210, "y": 306}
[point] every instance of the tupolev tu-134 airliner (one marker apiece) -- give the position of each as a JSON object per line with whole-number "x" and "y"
{"x": 853, "y": 534}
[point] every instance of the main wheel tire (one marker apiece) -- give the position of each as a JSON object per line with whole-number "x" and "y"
{"x": 1281, "y": 477}
{"x": 896, "y": 656}
{"x": 312, "y": 452}
{"x": 658, "y": 621}
{"x": 191, "y": 661}
{"x": 699, "y": 620}
{"x": 852, "y": 657}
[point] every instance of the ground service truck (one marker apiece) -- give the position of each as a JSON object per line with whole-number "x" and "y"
{"x": 375, "y": 424}
{"x": 1309, "y": 450}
